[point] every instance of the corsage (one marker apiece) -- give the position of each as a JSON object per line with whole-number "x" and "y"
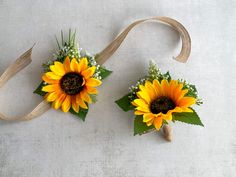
{"x": 70, "y": 79}
{"x": 157, "y": 99}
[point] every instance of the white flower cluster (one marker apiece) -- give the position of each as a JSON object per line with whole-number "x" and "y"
{"x": 66, "y": 50}
{"x": 135, "y": 88}
{"x": 73, "y": 52}
{"x": 153, "y": 73}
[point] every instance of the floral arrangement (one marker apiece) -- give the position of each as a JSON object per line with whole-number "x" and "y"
{"x": 157, "y": 99}
{"x": 71, "y": 77}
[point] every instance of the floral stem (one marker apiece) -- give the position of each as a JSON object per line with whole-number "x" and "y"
{"x": 167, "y": 132}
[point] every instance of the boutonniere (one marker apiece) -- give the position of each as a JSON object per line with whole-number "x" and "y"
{"x": 157, "y": 99}
{"x": 71, "y": 78}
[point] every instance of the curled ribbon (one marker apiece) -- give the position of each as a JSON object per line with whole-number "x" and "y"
{"x": 103, "y": 56}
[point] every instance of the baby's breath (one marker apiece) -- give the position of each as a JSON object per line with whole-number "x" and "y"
{"x": 71, "y": 49}
{"x": 192, "y": 91}
{"x": 155, "y": 73}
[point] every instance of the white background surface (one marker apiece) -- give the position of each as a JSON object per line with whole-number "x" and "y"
{"x": 60, "y": 145}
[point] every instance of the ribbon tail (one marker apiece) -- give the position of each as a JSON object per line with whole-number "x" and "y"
{"x": 23, "y": 61}
{"x": 36, "y": 112}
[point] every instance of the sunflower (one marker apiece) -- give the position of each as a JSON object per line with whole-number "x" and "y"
{"x": 157, "y": 101}
{"x": 70, "y": 84}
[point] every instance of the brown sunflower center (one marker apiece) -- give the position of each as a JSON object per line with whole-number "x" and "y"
{"x": 162, "y": 104}
{"x": 71, "y": 83}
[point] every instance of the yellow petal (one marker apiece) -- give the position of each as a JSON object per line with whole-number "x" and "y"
{"x": 57, "y": 103}
{"x": 165, "y": 87}
{"x": 51, "y": 75}
{"x": 144, "y": 96}
{"x": 187, "y": 110}
{"x": 167, "y": 117}
{"x": 50, "y": 97}
{"x": 91, "y": 90}
{"x": 181, "y": 94}
{"x": 149, "y": 123}
{"x": 67, "y": 64}
{"x": 92, "y": 82}
{"x": 177, "y": 91}
{"x": 58, "y": 68}
{"x": 173, "y": 86}
{"x": 50, "y": 88}
{"x": 147, "y": 117}
{"x": 157, "y": 122}
{"x": 176, "y": 109}
{"x": 75, "y": 105}
{"x": 85, "y": 96}
{"x": 138, "y": 112}
{"x": 65, "y": 107}
{"x": 74, "y": 65}
{"x": 148, "y": 92}
{"x": 146, "y": 109}
{"x": 186, "y": 102}
{"x": 151, "y": 91}
{"x": 48, "y": 80}
{"x": 157, "y": 87}
{"x": 88, "y": 72}
{"x": 140, "y": 102}
{"x": 83, "y": 64}
{"x": 81, "y": 102}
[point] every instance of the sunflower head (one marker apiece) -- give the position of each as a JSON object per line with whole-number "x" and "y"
{"x": 157, "y": 101}
{"x": 69, "y": 84}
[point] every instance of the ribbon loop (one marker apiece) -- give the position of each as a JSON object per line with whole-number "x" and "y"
{"x": 186, "y": 40}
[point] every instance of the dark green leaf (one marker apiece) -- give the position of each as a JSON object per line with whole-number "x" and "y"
{"x": 124, "y": 103}
{"x": 81, "y": 114}
{"x": 192, "y": 92}
{"x": 39, "y": 89}
{"x": 188, "y": 117}
{"x": 104, "y": 72}
{"x": 167, "y": 76}
{"x": 141, "y": 127}
{"x": 164, "y": 121}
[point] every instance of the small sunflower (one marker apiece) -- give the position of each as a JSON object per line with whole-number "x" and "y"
{"x": 157, "y": 101}
{"x": 70, "y": 84}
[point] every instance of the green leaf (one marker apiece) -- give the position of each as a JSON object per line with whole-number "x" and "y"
{"x": 167, "y": 76}
{"x": 81, "y": 114}
{"x": 104, "y": 72}
{"x": 124, "y": 103}
{"x": 188, "y": 117}
{"x": 141, "y": 127}
{"x": 39, "y": 89}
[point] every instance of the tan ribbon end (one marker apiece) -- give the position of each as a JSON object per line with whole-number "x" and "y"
{"x": 18, "y": 65}
{"x": 185, "y": 37}
{"x": 36, "y": 112}
{"x": 167, "y": 133}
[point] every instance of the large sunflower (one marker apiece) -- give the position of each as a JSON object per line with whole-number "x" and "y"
{"x": 157, "y": 101}
{"x": 70, "y": 84}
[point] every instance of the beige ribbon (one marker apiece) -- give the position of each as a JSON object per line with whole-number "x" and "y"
{"x": 25, "y": 59}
